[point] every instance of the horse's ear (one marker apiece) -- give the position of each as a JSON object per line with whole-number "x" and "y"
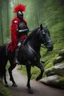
{"x": 41, "y": 27}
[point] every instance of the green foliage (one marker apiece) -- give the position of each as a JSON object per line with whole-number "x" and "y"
{"x": 22, "y": 69}
{"x": 4, "y": 91}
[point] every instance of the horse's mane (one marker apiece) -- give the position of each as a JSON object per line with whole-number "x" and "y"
{"x": 32, "y": 33}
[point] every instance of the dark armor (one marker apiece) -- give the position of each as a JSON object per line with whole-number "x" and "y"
{"x": 20, "y": 14}
{"x": 22, "y": 31}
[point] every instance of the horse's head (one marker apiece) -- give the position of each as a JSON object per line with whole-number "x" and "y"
{"x": 45, "y": 38}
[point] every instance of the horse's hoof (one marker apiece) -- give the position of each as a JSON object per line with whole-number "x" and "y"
{"x": 30, "y": 91}
{"x": 38, "y": 78}
{"x": 14, "y": 85}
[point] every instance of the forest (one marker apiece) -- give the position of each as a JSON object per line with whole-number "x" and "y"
{"x": 49, "y": 13}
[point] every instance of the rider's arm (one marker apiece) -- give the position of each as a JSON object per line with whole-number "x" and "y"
{"x": 22, "y": 29}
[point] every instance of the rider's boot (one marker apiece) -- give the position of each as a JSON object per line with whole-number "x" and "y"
{"x": 16, "y": 54}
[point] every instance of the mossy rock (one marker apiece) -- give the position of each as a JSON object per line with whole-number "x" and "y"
{"x": 57, "y": 69}
{"x": 49, "y": 72}
{"x": 61, "y": 53}
{"x": 54, "y": 81}
{"x": 58, "y": 60}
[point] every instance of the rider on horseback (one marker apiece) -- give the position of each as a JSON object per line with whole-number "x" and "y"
{"x": 19, "y": 31}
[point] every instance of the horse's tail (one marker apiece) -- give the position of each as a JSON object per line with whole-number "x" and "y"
{"x": 2, "y": 60}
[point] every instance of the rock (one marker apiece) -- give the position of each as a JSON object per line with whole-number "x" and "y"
{"x": 53, "y": 81}
{"x": 57, "y": 69}
{"x": 58, "y": 60}
{"x": 50, "y": 78}
{"x": 61, "y": 53}
{"x": 49, "y": 71}
{"x": 55, "y": 74}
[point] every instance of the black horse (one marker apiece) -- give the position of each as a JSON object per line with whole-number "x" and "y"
{"x": 29, "y": 54}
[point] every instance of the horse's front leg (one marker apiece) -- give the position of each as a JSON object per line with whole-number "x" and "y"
{"x": 40, "y": 66}
{"x": 28, "y": 68}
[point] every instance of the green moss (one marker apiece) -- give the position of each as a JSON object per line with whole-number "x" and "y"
{"x": 61, "y": 81}
{"x": 61, "y": 78}
{"x": 4, "y": 91}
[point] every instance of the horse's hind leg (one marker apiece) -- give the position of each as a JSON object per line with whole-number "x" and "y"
{"x": 3, "y": 68}
{"x": 12, "y": 66}
{"x": 6, "y": 84}
{"x": 39, "y": 65}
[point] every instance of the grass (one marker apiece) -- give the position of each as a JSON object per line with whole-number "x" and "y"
{"x": 4, "y": 91}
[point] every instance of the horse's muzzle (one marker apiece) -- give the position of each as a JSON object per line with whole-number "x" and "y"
{"x": 50, "y": 48}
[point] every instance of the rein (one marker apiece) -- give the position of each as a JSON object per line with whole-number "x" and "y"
{"x": 33, "y": 51}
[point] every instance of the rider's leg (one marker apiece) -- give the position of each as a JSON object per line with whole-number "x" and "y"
{"x": 16, "y": 53}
